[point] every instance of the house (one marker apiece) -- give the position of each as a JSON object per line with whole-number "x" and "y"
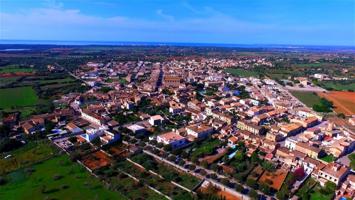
{"x": 291, "y": 142}
{"x": 306, "y": 123}
{"x": 137, "y": 129}
{"x": 92, "y": 133}
{"x": 171, "y": 138}
{"x": 109, "y": 137}
{"x": 199, "y": 131}
{"x": 74, "y": 129}
{"x": 347, "y": 189}
{"x": 175, "y": 108}
{"x": 291, "y": 129}
{"x": 333, "y": 172}
{"x": 232, "y": 141}
{"x": 92, "y": 117}
{"x": 311, "y": 164}
{"x": 255, "y": 129}
{"x": 156, "y": 120}
{"x": 307, "y": 149}
{"x": 33, "y": 125}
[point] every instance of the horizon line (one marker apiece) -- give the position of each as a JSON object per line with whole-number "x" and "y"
{"x": 154, "y": 43}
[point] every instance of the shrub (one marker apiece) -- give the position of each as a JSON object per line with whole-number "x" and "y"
{"x": 2, "y": 180}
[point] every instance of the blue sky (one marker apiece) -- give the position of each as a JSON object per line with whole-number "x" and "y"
{"x": 312, "y": 22}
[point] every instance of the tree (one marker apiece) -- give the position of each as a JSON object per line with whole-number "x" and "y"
{"x": 268, "y": 166}
{"x": 7, "y": 144}
{"x": 283, "y": 194}
{"x": 253, "y": 194}
{"x": 204, "y": 164}
{"x": 265, "y": 188}
{"x": 168, "y": 147}
{"x": 352, "y": 161}
{"x": 255, "y": 157}
{"x": 2, "y": 180}
{"x": 239, "y": 188}
{"x": 73, "y": 139}
{"x": 239, "y": 156}
{"x": 329, "y": 188}
{"x": 251, "y": 183}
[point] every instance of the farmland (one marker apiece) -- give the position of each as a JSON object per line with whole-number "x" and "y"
{"x": 15, "y": 69}
{"x": 55, "y": 179}
{"x": 17, "y": 97}
{"x": 308, "y": 98}
{"x": 344, "y": 102}
{"x": 26, "y": 155}
{"x": 338, "y": 85}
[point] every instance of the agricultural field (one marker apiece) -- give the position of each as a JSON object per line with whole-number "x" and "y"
{"x": 162, "y": 185}
{"x": 308, "y": 98}
{"x": 344, "y": 102}
{"x": 17, "y": 97}
{"x": 338, "y": 85}
{"x": 34, "y": 94}
{"x": 15, "y": 69}
{"x": 166, "y": 171}
{"x": 55, "y": 179}
{"x": 26, "y": 156}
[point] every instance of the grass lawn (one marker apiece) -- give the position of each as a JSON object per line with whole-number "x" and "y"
{"x": 57, "y": 178}
{"x": 241, "y": 72}
{"x": 307, "y": 185}
{"x": 329, "y": 158}
{"x": 308, "y": 98}
{"x": 207, "y": 147}
{"x": 19, "y": 96}
{"x": 26, "y": 155}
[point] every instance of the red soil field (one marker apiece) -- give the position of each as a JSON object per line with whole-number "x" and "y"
{"x": 277, "y": 178}
{"x": 344, "y": 102}
{"x": 96, "y": 160}
{"x": 16, "y": 74}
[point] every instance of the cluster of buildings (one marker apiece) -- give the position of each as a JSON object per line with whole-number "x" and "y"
{"x": 269, "y": 119}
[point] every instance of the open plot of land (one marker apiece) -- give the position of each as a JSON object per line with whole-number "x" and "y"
{"x": 19, "y": 96}
{"x": 96, "y": 160}
{"x": 256, "y": 173}
{"x": 344, "y": 102}
{"x": 57, "y": 178}
{"x": 26, "y": 155}
{"x": 274, "y": 179}
{"x": 308, "y": 98}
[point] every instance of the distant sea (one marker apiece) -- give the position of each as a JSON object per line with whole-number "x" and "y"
{"x": 118, "y": 43}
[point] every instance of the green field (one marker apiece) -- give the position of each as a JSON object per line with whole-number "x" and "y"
{"x": 26, "y": 155}
{"x": 57, "y": 178}
{"x": 14, "y": 68}
{"x": 241, "y": 72}
{"x": 19, "y": 96}
{"x": 338, "y": 85}
{"x": 308, "y": 98}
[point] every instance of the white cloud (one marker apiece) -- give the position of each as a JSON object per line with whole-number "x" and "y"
{"x": 165, "y": 16}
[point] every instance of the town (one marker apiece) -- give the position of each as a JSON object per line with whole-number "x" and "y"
{"x": 194, "y": 128}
